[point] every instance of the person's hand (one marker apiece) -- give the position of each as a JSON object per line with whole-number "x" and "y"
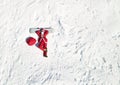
{"x": 38, "y": 28}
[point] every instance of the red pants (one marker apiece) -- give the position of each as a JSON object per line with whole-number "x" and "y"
{"x": 42, "y": 44}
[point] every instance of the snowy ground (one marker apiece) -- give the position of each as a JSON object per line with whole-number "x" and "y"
{"x": 84, "y": 48}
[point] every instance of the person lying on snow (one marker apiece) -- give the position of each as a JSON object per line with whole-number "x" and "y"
{"x": 42, "y": 40}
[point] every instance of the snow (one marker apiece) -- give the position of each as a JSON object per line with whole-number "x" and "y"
{"x": 84, "y": 48}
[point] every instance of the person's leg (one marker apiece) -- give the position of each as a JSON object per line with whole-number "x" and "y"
{"x": 45, "y": 50}
{"x": 40, "y": 46}
{"x": 43, "y": 46}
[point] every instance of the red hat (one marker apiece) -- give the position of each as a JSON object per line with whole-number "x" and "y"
{"x": 30, "y": 41}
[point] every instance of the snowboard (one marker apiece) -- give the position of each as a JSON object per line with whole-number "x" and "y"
{"x": 32, "y": 30}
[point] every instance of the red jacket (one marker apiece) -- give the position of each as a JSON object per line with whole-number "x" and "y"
{"x": 42, "y": 36}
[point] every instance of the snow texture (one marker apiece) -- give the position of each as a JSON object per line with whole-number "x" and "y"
{"x": 84, "y": 48}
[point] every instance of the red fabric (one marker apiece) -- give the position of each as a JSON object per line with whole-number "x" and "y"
{"x": 42, "y": 41}
{"x": 30, "y": 41}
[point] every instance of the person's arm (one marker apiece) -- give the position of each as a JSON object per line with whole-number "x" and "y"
{"x": 37, "y": 32}
{"x": 46, "y": 33}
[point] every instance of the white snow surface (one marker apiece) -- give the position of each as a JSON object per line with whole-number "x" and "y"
{"x": 84, "y": 48}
